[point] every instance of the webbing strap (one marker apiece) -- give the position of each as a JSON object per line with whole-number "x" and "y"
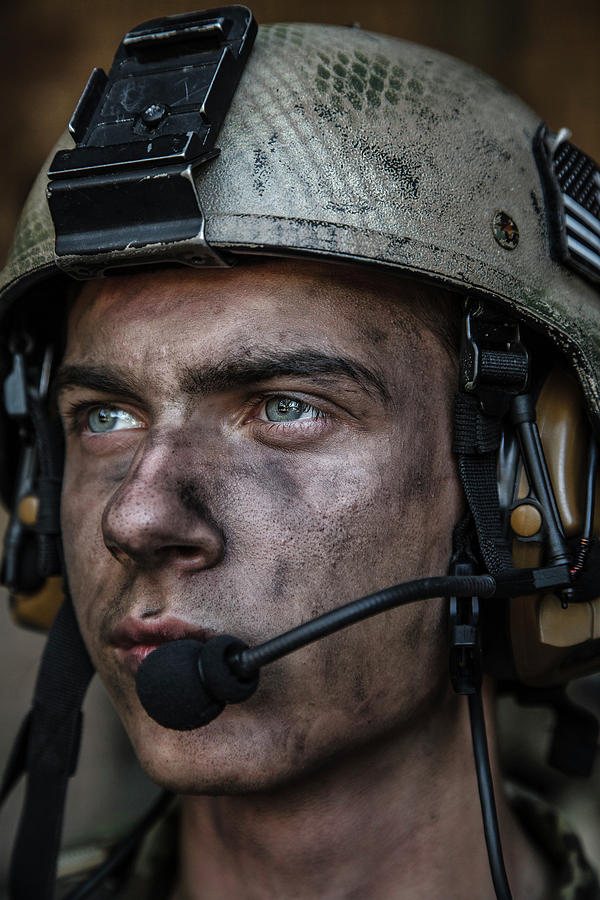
{"x": 502, "y": 368}
{"x": 51, "y": 741}
{"x": 494, "y": 368}
{"x": 476, "y": 441}
{"x": 474, "y": 432}
{"x": 48, "y": 444}
{"x": 17, "y": 761}
{"x": 478, "y": 475}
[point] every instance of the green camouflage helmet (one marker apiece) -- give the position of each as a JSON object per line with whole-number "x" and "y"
{"x": 363, "y": 148}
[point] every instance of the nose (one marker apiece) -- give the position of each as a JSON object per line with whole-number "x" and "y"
{"x": 158, "y": 516}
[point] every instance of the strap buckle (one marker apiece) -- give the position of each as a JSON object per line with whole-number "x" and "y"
{"x": 494, "y": 365}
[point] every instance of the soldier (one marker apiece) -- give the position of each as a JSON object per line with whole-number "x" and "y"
{"x": 296, "y": 305}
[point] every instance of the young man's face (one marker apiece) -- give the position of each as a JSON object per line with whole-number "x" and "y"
{"x": 247, "y": 449}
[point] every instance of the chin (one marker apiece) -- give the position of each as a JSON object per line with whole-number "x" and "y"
{"x": 234, "y": 754}
{"x": 242, "y": 752}
{"x": 247, "y": 752}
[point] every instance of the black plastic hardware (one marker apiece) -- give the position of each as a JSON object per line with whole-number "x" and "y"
{"x": 15, "y": 389}
{"x": 150, "y": 38}
{"x": 523, "y": 417}
{"x": 12, "y": 568}
{"x": 16, "y": 406}
{"x": 494, "y": 362}
{"x": 21, "y": 569}
{"x": 551, "y": 578}
{"x": 522, "y": 582}
{"x": 87, "y": 104}
{"x": 142, "y": 133}
{"x": 465, "y": 639}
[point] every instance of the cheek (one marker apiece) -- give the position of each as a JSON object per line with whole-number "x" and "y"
{"x": 351, "y": 523}
{"x": 305, "y": 517}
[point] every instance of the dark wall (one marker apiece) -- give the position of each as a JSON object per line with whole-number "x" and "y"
{"x": 545, "y": 51}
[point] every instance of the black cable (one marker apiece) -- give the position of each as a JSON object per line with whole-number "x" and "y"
{"x": 486, "y": 797}
{"x": 251, "y": 659}
{"x": 123, "y": 850}
{"x": 590, "y": 494}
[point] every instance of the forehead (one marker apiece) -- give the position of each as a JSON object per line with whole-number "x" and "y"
{"x": 173, "y": 311}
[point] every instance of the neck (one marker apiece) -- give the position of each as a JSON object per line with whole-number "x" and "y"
{"x": 397, "y": 819}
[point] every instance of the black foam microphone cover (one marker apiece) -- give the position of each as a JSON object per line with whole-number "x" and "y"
{"x": 171, "y": 689}
{"x": 218, "y": 673}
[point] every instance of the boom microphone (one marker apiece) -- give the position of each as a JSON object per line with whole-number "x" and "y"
{"x": 185, "y": 684}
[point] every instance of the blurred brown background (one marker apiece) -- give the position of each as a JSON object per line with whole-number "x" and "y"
{"x": 545, "y": 51}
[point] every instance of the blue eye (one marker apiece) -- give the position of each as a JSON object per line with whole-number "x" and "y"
{"x": 289, "y": 409}
{"x": 101, "y": 419}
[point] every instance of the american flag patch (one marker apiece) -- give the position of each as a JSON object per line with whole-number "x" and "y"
{"x": 578, "y": 178}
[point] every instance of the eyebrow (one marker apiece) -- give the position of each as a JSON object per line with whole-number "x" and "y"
{"x": 251, "y": 368}
{"x": 97, "y": 378}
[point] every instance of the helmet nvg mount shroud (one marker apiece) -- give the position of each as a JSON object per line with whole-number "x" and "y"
{"x": 202, "y": 146}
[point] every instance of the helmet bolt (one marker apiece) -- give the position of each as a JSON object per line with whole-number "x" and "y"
{"x": 505, "y": 230}
{"x": 153, "y": 114}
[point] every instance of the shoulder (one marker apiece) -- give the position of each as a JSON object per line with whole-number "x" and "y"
{"x": 550, "y": 830}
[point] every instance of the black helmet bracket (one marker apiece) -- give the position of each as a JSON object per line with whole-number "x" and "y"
{"x": 128, "y": 187}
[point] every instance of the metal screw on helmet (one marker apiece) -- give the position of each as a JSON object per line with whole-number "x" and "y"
{"x": 154, "y": 114}
{"x": 505, "y": 230}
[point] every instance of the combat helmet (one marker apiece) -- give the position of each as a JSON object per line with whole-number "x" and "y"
{"x": 342, "y": 145}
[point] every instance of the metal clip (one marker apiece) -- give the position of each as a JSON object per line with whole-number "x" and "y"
{"x": 15, "y": 389}
{"x": 472, "y": 378}
{"x": 494, "y": 362}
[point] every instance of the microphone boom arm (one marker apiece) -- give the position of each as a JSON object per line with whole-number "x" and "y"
{"x": 247, "y": 661}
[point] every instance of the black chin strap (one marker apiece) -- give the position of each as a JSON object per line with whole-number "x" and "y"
{"x": 46, "y": 749}
{"x": 494, "y": 368}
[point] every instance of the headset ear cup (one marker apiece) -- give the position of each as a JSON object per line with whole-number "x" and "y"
{"x": 38, "y": 609}
{"x": 547, "y": 640}
{"x": 34, "y": 581}
{"x": 32, "y": 568}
